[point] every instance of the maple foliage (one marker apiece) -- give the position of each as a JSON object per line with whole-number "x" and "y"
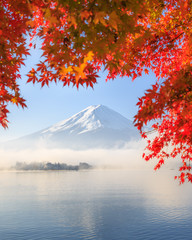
{"x": 127, "y": 38}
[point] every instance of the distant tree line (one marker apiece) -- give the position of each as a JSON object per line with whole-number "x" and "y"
{"x": 50, "y": 166}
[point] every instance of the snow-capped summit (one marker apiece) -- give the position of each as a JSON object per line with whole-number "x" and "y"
{"x": 91, "y": 119}
{"x": 94, "y": 127}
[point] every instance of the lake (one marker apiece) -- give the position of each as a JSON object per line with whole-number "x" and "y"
{"x": 94, "y": 204}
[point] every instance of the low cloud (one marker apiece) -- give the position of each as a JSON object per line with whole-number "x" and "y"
{"x": 97, "y": 157}
{"x": 128, "y": 157}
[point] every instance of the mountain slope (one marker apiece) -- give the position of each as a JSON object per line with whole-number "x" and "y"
{"x": 90, "y": 119}
{"x": 94, "y": 127}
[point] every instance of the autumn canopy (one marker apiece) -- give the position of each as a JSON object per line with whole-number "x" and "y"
{"x": 126, "y": 38}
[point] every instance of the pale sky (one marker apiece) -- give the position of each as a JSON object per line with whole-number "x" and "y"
{"x": 47, "y": 106}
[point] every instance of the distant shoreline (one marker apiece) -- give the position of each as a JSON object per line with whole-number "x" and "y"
{"x": 45, "y": 166}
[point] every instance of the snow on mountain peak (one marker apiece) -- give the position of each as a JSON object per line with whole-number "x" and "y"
{"x": 94, "y": 127}
{"x": 92, "y": 118}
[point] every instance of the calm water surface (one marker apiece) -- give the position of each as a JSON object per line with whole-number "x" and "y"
{"x": 96, "y": 204}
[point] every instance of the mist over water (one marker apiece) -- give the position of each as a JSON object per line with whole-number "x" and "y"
{"x": 95, "y": 157}
{"x": 128, "y": 157}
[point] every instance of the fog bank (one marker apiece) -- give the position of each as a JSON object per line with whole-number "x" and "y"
{"x": 128, "y": 157}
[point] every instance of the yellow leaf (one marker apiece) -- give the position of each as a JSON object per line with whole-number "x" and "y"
{"x": 14, "y": 100}
{"x": 99, "y": 17}
{"x": 47, "y": 14}
{"x": 30, "y": 23}
{"x": 79, "y": 72}
{"x": 85, "y": 14}
{"x": 102, "y": 20}
{"x": 96, "y": 19}
{"x": 64, "y": 71}
{"x": 89, "y": 57}
{"x": 113, "y": 24}
{"x": 72, "y": 21}
{"x": 53, "y": 20}
{"x": 114, "y": 20}
{"x": 82, "y": 67}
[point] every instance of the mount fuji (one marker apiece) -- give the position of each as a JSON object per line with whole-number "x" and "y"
{"x": 94, "y": 127}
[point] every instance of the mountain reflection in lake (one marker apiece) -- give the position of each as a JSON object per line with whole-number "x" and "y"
{"x": 94, "y": 204}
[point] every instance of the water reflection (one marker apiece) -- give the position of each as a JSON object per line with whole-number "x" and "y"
{"x": 98, "y": 204}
